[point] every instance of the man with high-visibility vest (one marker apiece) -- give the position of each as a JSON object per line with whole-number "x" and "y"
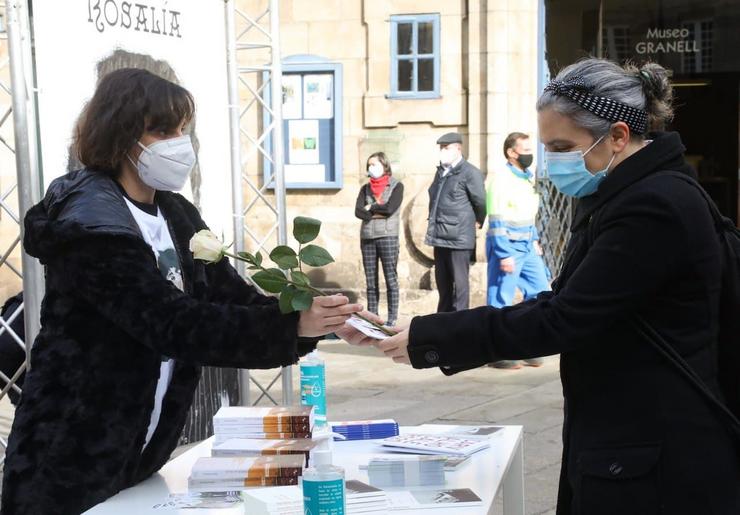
{"x": 512, "y": 243}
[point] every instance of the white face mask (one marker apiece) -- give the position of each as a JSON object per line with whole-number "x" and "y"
{"x": 166, "y": 165}
{"x": 447, "y": 156}
{"x": 376, "y": 171}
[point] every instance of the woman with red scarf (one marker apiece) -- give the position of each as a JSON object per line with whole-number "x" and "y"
{"x": 378, "y": 204}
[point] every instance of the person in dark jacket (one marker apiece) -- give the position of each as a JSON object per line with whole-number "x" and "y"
{"x": 378, "y": 206}
{"x": 457, "y": 207}
{"x": 639, "y": 438}
{"x": 129, "y": 316}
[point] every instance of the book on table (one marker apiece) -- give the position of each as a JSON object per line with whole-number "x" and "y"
{"x": 216, "y": 474}
{"x": 252, "y": 419}
{"x": 219, "y": 439}
{"x": 365, "y": 429}
{"x": 261, "y": 447}
{"x": 360, "y": 498}
{"x": 418, "y": 443}
{"x": 405, "y": 471}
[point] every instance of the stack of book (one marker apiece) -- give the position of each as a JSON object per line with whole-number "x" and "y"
{"x": 444, "y": 444}
{"x": 251, "y": 422}
{"x": 223, "y": 474}
{"x": 257, "y": 447}
{"x": 366, "y": 429}
{"x": 406, "y": 471}
{"x": 359, "y": 497}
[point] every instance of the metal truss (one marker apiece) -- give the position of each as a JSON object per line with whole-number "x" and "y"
{"x": 255, "y": 95}
{"x": 553, "y": 224}
{"x": 17, "y": 196}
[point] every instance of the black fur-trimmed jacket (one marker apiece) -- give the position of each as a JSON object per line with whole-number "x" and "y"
{"x": 107, "y": 319}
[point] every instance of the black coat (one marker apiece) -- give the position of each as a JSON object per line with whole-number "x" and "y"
{"x": 107, "y": 319}
{"x": 456, "y": 202}
{"x": 638, "y": 439}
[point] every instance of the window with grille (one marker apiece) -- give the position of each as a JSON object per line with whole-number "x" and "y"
{"x": 415, "y": 56}
{"x": 616, "y": 42}
{"x": 701, "y": 33}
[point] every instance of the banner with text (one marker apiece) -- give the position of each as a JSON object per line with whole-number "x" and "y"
{"x": 184, "y": 41}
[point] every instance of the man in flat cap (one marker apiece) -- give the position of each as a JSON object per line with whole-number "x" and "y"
{"x": 457, "y": 206}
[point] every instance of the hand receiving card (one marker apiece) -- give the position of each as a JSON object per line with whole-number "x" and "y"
{"x": 366, "y": 328}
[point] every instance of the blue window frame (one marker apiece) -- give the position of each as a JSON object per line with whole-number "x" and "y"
{"x": 415, "y": 56}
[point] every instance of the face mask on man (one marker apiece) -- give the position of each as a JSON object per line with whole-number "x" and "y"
{"x": 165, "y": 165}
{"x": 447, "y": 156}
{"x": 568, "y": 172}
{"x": 525, "y": 160}
{"x": 376, "y": 171}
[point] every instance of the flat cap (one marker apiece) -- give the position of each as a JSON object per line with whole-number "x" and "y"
{"x": 450, "y": 137}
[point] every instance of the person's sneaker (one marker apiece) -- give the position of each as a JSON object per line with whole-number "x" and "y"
{"x": 506, "y": 364}
{"x": 534, "y": 362}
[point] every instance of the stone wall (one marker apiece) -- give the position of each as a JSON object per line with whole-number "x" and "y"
{"x": 488, "y": 89}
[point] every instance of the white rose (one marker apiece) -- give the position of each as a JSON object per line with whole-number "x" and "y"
{"x": 207, "y": 247}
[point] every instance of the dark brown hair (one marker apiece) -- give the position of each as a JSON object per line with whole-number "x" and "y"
{"x": 382, "y": 159}
{"x": 511, "y": 139}
{"x": 126, "y": 103}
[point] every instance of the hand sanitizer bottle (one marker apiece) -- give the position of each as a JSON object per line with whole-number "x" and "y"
{"x": 313, "y": 386}
{"x": 323, "y": 486}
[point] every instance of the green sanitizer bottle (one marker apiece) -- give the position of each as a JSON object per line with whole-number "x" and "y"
{"x": 313, "y": 386}
{"x": 323, "y": 486}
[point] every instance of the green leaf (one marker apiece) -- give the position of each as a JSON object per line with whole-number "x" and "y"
{"x": 286, "y": 299}
{"x": 284, "y": 257}
{"x": 300, "y": 278}
{"x": 272, "y": 280}
{"x": 305, "y": 229}
{"x": 254, "y": 267}
{"x": 302, "y": 300}
{"x": 313, "y": 255}
{"x": 246, "y": 256}
{"x": 258, "y": 258}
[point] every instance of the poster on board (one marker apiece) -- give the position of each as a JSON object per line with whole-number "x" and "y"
{"x": 77, "y": 41}
{"x": 292, "y": 97}
{"x": 318, "y": 96}
{"x": 303, "y": 136}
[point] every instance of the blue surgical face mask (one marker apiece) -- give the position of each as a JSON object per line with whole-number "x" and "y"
{"x": 568, "y": 172}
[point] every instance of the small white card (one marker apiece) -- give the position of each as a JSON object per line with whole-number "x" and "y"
{"x": 367, "y": 328}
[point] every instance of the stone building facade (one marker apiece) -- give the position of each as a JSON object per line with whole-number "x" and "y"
{"x": 487, "y": 86}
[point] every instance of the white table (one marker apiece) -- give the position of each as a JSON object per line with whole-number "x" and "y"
{"x": 498, "y": 469}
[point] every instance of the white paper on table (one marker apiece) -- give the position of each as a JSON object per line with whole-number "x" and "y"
{"x": 367, "y": 328}
{"x": 432, "y": 498}
{"x": 193, "y": 500}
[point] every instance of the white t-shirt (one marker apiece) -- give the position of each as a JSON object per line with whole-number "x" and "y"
{"x": 156, "y": 233}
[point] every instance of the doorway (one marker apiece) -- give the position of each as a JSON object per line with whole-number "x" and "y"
{"x": 707, "y": 115}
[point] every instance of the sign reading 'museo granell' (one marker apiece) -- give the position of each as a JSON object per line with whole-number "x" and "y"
{"x": 664, "y": 41}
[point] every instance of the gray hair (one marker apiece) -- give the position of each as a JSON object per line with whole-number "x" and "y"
{"x": 647, "y": 88}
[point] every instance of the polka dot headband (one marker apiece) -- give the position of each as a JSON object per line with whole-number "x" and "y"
{"x": 576, "y": 89}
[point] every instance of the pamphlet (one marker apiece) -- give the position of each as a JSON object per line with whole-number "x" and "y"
{"x": 367, "y": 329}
{"x": 437, "y": 498}
{"x": 218, "y": 500}
{"x": 452, "y": 445}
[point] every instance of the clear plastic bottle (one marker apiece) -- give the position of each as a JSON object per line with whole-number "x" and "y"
{"x": 323, "y": 486}
{"x": 313, "y": 385}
